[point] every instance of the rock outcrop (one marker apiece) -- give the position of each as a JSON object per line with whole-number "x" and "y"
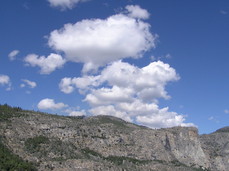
{"x": 58, "y": 143}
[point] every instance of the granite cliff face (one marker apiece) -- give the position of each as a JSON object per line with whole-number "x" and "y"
{"x": 54, "y": 142}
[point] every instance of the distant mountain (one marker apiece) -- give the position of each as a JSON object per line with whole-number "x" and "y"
{"x": 37, "y": 141}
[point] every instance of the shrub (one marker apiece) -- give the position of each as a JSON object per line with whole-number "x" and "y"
{"x": 7, "y": 112}
{"x": 118, "y": 160}
{"x": 12, "y": 162}
{"x": 34, "y": 144}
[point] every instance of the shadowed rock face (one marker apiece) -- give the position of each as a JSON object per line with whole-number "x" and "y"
{"x": 106, "y": 143}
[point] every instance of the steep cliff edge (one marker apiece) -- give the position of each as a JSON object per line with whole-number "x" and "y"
{"x": 54, "y": 142}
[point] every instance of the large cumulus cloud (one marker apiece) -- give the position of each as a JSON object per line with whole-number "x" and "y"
{"x": 129, "y": 92}
{"x": 96, "y": 42}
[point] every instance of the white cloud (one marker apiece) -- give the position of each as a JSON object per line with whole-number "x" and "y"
{"x": 12, "y": 55}
{"x": 129, "y": 92}
{"x": 50, "y": 104}
{"x": 97, "y": 42}
{"x": 68, "y": 85}
{"x": 65, "y": 4}
{"x": 47, "y": 64}
{"x": 136, "y": 11}
{"x": 147, "y": 114}
{"x": 5, "y": 81}
{"x": 30, "y": 84}
{"x": 137, "y": 107}
{"x": 110, "y": 110}
{"x": 162, "y": 118}
{"x": 76, "y": 113}
{"x": 112, "y": 95}
{"x": 148, "y": 82}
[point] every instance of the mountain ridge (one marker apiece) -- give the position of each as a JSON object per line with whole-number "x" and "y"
{"x": 53, "y": 142}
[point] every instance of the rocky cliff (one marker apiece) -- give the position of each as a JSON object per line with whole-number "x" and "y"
{"x": 52, "y": 142}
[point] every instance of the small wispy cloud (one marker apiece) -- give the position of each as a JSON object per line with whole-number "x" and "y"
{"x": 26, "y": 6}
{"x": 212, "y": 118}
{"x": 30, "y": 84}
{"x": 223, "y": 12}
{"x": 155, "y": 58}
{"x": 181, "y": 106}
{"x": 12, "y": 55}
{"x": 226, "y": 111}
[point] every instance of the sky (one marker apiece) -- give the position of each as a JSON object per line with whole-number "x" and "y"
{"x": 157, "y": 63}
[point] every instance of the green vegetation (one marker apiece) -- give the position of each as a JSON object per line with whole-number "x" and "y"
{"x": 34, "y": 144}
{"x": 7, "y": 112}
{"x": 12, "y": 162}
{"x": 76, "y": 117}
{"x": 41, "y": 146}
{"x": 118, "y": 160}
{"x": 64, "y": 150}
{"x": 160, "y": 161}
{"x": 88, "y": 152}
{"x": 100, "y": 137}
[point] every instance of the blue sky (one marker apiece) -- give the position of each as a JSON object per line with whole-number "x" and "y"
{"x": 158, "y": 63}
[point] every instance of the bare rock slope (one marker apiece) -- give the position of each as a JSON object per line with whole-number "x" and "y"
{"x": 58, "y": 143}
